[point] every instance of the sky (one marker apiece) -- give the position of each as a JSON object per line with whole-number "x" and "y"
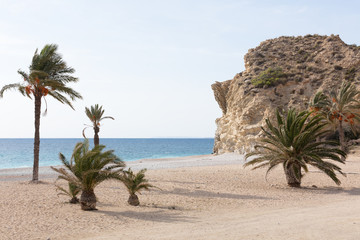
{"x": 149, "y": 63}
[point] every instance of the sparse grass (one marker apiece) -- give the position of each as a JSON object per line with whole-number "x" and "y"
{"x": 269, "y": 77}
{"x": 304, "y": 56}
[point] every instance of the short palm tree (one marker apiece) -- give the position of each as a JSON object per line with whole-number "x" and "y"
{"x": 88, "y": 168}
{"x": 292, "y": 143}
{"x": 72, "y": 192}
{"x": 48, "y": 76}
{"x": 95, "y": 114}
{"x": 135, "y": 182}
{"x": 341, "y": 109}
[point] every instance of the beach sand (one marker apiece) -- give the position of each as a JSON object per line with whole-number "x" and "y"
{"x": 201, "y": 197}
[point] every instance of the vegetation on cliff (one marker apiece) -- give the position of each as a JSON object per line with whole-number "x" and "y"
{"x": 269, "y": 77}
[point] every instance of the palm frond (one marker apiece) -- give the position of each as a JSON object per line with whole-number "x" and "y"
{"x": 72, "y": 190}
{"x": 292, "y": 143}
{"x": 14, "y": 86}
{"x": 89, "y": 167}
{"x": 135, "y": 182}
{"x": 95, "y": 114}
{"x": 344, "y": 103}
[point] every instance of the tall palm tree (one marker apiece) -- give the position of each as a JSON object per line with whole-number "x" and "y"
{"x": 340, "y": 110}
{"x": 88, "y": 168}
{"x": 292, "y": 143}
{"x": 135, "y": 182}
{"x": 48, "y": 76}
{"x": 95, "y": 114}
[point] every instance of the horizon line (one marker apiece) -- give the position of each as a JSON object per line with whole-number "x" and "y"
{"x": 110, "y": 138}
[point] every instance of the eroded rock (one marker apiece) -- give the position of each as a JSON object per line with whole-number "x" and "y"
{"x": 311, "y": 63}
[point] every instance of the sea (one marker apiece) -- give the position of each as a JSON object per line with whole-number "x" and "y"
{"x": 18, "y": 152}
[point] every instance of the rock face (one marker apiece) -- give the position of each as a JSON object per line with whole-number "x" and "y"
{"x": 280, "y": 73}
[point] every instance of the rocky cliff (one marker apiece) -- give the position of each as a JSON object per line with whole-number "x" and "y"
{"x": 280, "y": 73}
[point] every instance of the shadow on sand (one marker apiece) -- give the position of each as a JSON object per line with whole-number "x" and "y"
{"x": 335, "y": 190}
{"x": 154, "y": 216}
{"x": 203, "y": 193}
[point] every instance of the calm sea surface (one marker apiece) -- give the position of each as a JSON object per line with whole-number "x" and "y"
{"x": 15, "y": 153}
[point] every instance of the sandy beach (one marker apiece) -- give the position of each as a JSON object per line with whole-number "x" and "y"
{"x": 201, "y": 197}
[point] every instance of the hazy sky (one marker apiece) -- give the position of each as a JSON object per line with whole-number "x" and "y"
{"x": 149, "y": 63}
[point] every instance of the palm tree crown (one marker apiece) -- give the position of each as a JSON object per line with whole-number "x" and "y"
{"x": 88, "y": 168}
{"x": 292, "y": 143}
{"x": 339, "y": 107}
{"x": 95, "y": 114}
{"x": 135, "y": 182}
{"x": 48, "y": 75}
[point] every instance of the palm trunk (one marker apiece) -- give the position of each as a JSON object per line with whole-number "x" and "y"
{"x": 88, "y": 200}
{"x": 35, "y": 177}
{"x": 96, "y": 136}
{"x": 133, "y": 200}
{"x": 74, "y": 200}
{"x": 341, "y": 138}
{"x": 293, "y": 175}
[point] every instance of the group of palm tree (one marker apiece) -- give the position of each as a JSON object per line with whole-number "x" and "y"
{"x": 295, "y": 141}
{"x": 48, "y": 76}
{"x": 298, "y": 139}
{"x": 88, "y": 168}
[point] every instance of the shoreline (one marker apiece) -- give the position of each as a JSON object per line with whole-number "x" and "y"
{"x": 45, "y": 172}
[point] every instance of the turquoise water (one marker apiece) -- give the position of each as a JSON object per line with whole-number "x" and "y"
{"x": 15, "y": 153}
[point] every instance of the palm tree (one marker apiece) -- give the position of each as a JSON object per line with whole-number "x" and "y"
{"x": 135, "y": 182}
{"x": 72, "y": 192}
{"x": 88, "y": 168}
{"x": 340, "y": 110}
{"x": 292, "y": 143}
{"x": 95, "y": 114}
{"x": 48, "y": 76}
